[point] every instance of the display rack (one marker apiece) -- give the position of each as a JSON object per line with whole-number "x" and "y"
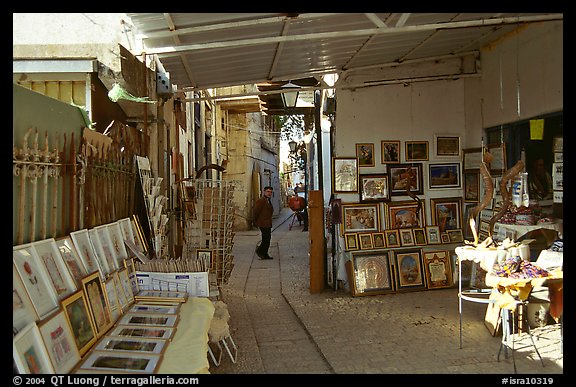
{"x": 209, "y": 223}
{"x": 154, "y": 203}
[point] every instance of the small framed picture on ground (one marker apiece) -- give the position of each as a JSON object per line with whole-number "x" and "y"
{"x": 409, "y": 270}
{"x": 438, "y": 269}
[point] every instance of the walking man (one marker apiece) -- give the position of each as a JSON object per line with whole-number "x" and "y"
{"x": 263, "y": 211}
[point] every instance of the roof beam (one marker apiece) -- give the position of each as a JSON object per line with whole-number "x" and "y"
{"x": 172, "y": 51}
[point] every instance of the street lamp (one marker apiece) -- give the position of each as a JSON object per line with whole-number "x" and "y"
{"x": 290, "y": 96}
{"x": 292, "y": 144}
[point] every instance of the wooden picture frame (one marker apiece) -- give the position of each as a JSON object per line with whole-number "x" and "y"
{"x": 142, "y": 331}
{"x": 406, "y": 237}
{"x": 371, "y": 274}
{"x": 416, "y": 151}
{"x": 35, "y": 280}
{"x": 379, "y": 240}
{"x": 399, "y": 172}
{"x": 446, "y": 146}
{"x": 405, "y": 214}
{"x": 344, "y": 175}
{"x": 471, "y": 158}
{"x": 60, "y": 278}
{"x": 360, "y": 217}
{"x": 433, "y": 235}
{"x": 149, "y": 319}
{"x": 438, "y": 269}
{"x": 444, "y": 237}
{"x": 121, "y": 362}
{"x": 29, "y": 353}
{"x": 59, "y": 342}
{"x": 498, "y": 163}
{"x": 85, "y": 250}
{"x": 472, "y": 186}
{"x": 23, "y": 312}
{"x": 392, "y": 238}
{"x": 446, "y": 213}
{"x": 365, "y": 240}
{"x": 455, "y": 236}
{"x": 444, "y": 175}
{"x": 374, "y": 187}
{"x": 351, "y": 241}
{"x": 98, "y": 304}
{"x": 132, "y": 345}
{"x": 79, "y": 319}
{"x": 390, "y": 151}
{"x": 420, "y": 236}
{"x": 71, "y": 259}
{"x": 409, "y": 270}
{"x": 365, "y": 154}
{"x": 466, "y": 230}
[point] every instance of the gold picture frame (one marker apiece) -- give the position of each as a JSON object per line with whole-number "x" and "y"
{"x": 406, "y": 237}
{"x": 409, "y": 270}
{"x": 365, "y": 154}
{"x": 80, "y": 321}
{"x": 446, "y": 213}
{"x": 98, "y": 304}
{"x": 416, "y": 151}
{"x": 390, "y": 151}
{"x": 405, "y": 214}
{"x": 392, "y": 238}
{"x": 372, "y": 273}
{"x": 379, "y": 240}
{"x": 351, "y": 241}
{"x": 360, "y": 217}
{"x": 438, "y": 269}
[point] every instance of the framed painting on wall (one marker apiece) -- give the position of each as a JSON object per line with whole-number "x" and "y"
{"x": 374, "y": 188}
{"x": 472, "y": 158}
{"x": 360, "y": 217}
{"x": 445, "y": 175}
{"x": 366, "y": 242}
{"x": 472, "y": 186}
{"x": 446, "y": 145}
{"x": 400, "y": 174}
{"x": 379, "y": 240}
{"x": 365, "y": 155}
{"x": 405, "y": 214}
{"x": 406, "y": 237}
{"x": 371, "y": 274}
{"x": 438, "y": 269}
{"x": 351, "y": 241}
{"x": 420, "y": 236}
{"x": 433, "y": 235}
{"x": 446, "y": 213}
{"x": 392, "y": 238}
{"x": 408, "y": 267}
{"x": 344, "y": 175}
{"x": 390, "y": 152}
{"x": 416, "y": 151}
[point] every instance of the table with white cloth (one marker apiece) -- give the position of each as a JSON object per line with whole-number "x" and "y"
{"x": 187, "y": 352}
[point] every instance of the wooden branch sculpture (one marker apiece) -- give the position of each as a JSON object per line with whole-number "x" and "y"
{"x": 488, "y": 193}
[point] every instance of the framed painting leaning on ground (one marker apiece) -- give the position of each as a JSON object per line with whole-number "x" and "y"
{"x": 409, "y": 270}
{"x": 78, "y": 316}
{"x": 59, "y": 342}
{"x": 438, "y": 269}
{"x": 371, "y": 274}
{"x": 98, "y": 305}
{"x": 29, "y": 353}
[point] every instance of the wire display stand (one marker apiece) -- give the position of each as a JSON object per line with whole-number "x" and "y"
{"x": 208, "y": 223}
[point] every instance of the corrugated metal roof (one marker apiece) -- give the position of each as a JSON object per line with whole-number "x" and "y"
{"x": 207, "y": 50}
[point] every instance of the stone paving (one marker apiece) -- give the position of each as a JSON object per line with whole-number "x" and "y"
{"x": 280, "y": 328}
